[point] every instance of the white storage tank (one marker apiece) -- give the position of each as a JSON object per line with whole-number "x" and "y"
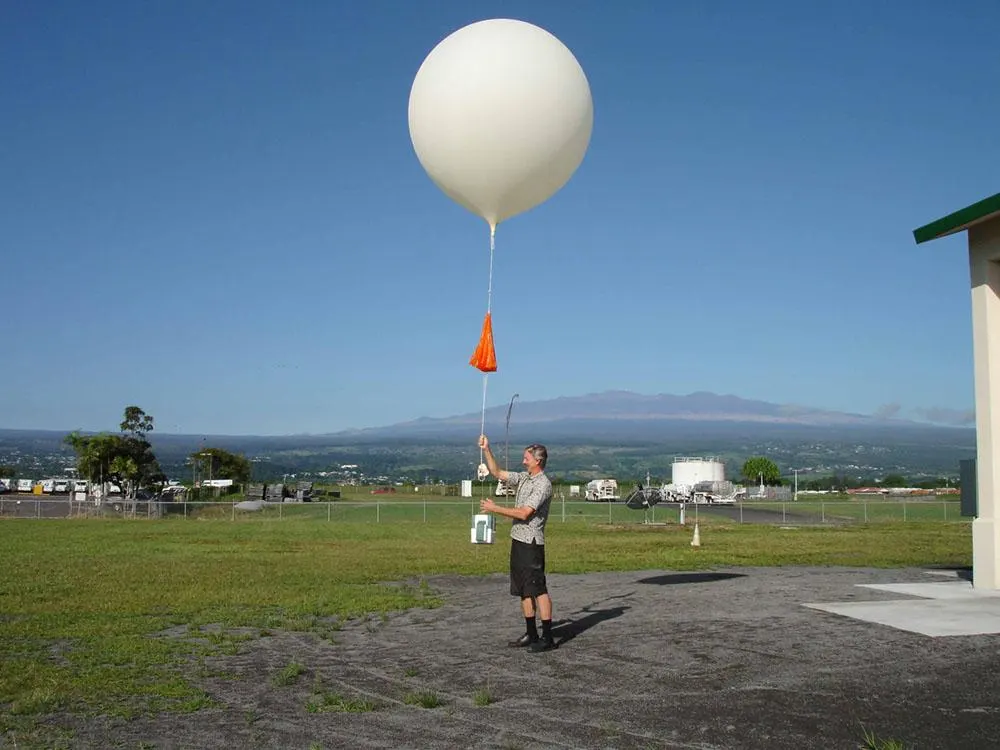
{"x": 690, "y": 471}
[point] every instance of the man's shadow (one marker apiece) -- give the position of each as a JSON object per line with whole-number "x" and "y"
{"x": 566, "y": 630}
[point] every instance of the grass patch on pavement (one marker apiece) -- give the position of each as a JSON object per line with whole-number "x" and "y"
{"x": 324, "y": 702}
{"x": 289, "y": 675}
{"x": 482, "y": 697}
{"x": 423, "y": 699}
{"x": 107, "y": 616}
{"x": 873, "y": 742}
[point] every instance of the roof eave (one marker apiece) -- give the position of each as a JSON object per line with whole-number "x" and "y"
{"x": 977, "y": 213}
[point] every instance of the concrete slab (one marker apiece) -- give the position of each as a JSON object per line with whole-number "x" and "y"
{"x": 930, "y": 617}
{"x": 937, "y": 609}
{"x": 936, "y": 590}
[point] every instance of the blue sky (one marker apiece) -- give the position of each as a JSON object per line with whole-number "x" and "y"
{"x": 213, "y": 211}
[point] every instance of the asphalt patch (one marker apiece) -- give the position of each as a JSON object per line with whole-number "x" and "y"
{"x": 728, "y": 658}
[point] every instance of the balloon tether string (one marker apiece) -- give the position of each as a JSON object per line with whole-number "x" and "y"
{"x": 489, "y": 309}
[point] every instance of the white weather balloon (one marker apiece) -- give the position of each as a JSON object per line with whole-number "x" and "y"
{"x": 500, "y": 117}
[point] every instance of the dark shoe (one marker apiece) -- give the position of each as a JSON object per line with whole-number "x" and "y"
{"x": 545, "y": 644}
{"x": 523, "y": 641}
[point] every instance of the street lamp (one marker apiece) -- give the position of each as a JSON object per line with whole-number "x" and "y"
{"x": 210, "y": 462}
{"x": 209, "y": 457}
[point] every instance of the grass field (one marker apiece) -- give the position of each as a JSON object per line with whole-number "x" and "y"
{"x": 113, "y": 616}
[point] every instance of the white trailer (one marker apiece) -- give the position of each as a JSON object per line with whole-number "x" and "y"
{"x": 721, "y": 492}
{"x": 504, "y": 491}
{"x": 602, "y": 491}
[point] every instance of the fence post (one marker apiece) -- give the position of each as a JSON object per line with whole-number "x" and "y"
{"x": 904, "y": 511}
{"x": 609, "y": 512}
{"x": 234, "y": 510}
{"x": 783, "y": 511}
{"x": 378, "y": 512}
{"x": 329, "y": 509}
{"x": 945, "y": 504}
{"x": 866, "y": 511}
{"x": 425, "y": 511}
{"x": 822, "y": 511}
{"x": 741, "y": 511}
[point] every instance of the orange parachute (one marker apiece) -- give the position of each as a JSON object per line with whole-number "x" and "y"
{"x": 485, "y": 356}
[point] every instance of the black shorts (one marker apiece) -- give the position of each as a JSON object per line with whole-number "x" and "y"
{"x": 527, "y": 569}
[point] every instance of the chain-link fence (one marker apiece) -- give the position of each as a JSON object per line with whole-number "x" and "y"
{"x": 779, "y": 512}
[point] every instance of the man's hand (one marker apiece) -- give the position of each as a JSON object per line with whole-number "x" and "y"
{"x": 523, "y": 513}
{"x": 491, "y": 462}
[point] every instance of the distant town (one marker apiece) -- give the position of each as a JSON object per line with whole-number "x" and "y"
{"x": 46, "y": 466}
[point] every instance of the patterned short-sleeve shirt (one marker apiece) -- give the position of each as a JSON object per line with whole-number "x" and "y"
{"x": 534, "y": 491}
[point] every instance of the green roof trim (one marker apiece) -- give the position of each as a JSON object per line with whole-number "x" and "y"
{"x": 960, "y": 220}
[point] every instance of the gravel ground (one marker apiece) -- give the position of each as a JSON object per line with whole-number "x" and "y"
{"x": 654, "y": 659}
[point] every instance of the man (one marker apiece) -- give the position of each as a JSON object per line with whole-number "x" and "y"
{"x": 527, "y": 534}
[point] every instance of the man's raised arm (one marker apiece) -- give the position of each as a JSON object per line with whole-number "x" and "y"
{"x": 491, "y": 462}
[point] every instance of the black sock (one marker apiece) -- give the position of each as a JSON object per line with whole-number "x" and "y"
{"x": 529, "y": 623}
{"x": 547, "y": 629}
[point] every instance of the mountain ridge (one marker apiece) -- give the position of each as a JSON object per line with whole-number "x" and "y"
{"x": 618, "y": 433}
{"x": 618, "y": 409}
{"x": 628, "y": 406}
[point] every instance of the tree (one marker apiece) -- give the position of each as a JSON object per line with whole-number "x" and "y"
{"x": 218, "y": 463}
{"x": 759, "y": 468}
{"x": 7, "y": 471}
{"x": 94, "y": 454}
{"x": 136, "y": 423}
{"x": 894, "y": 480}
{"x": 125, "y": 469}
{"x": 139, "y": 467}
{"x": 126, "y": 459}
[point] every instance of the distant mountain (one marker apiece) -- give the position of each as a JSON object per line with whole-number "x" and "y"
{"x": 626, "y": 414}
{"x": 616, "y": 433}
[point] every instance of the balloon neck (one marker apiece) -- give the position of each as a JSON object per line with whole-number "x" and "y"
{"x": 493, "y": 231}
